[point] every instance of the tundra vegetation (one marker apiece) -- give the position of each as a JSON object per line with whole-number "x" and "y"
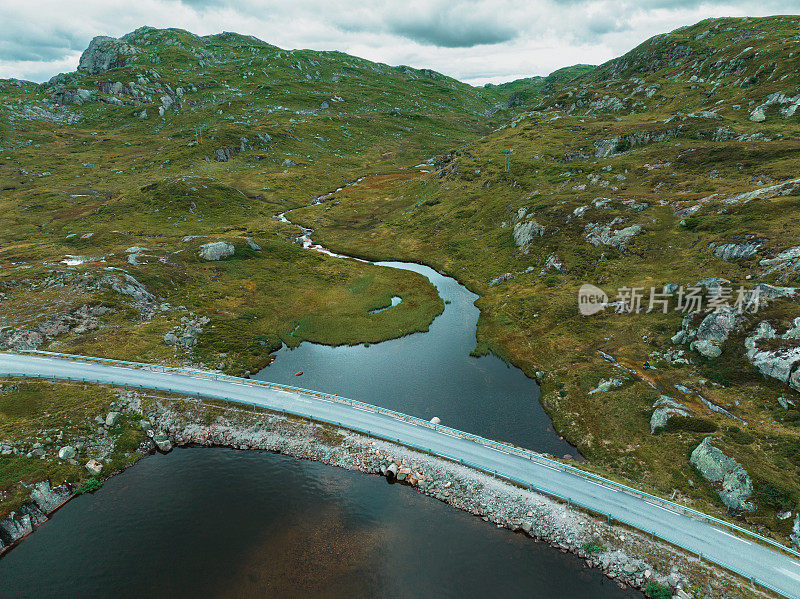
{"x": 140, "y": 193}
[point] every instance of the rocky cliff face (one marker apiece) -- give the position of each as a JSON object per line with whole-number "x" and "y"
{"x": 105, "y": 53}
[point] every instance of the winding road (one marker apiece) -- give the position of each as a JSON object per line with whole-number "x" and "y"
{"x": 760, "y": 564}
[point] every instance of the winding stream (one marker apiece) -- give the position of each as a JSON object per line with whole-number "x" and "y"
{"x": 428, "y": 374}
{"x": 222, "y": 523}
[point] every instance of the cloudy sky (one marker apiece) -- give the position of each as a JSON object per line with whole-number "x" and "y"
{"x": 477, "y": 41}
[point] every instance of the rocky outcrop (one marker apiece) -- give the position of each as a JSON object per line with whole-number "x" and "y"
{"x": 782, "y": 363}
{"x": 79, "y": 321}
{"x": 525, "y": 232}
{"x": 64, "y": 96}
{"x": 773, "y": 191}
{"x": 105, "y": 53}
{"x": 624, "y": 143}
{"x": 506, "y": 276}
{"x": 788, "y": 104}
{"x": 597, "y": 234}
{"x": 216, "y": 250}
{"x": 606, "y": 385}
{"x": 664, "y": 408}
{"x": 715, "y": 329}
{"x": 787, "y": 263}
{"x": 795, "y": 536}
{"x": 738, "y": 251}
{"x": 736, "y": 485}
{"x": 44, "y": 500}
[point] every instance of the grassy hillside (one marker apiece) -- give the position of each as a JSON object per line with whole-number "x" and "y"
{"x": 630, "y": 176}
{"x": 625, "y": 175}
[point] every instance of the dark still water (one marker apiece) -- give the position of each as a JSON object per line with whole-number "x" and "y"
{"x": 220, "y": 523}
{"x": 431, "y": 374}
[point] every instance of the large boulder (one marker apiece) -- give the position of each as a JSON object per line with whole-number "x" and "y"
{"x": 795, "y": 536}
{"x": 718, "y": 325}
{"x": 665, "y": 407}
{"x": 216, "y": 250}
{"x": 736, "y": 485}
{"x": 525, "y": 232}
{"x": 67, "y": 453}
{"x": 94, "y": 467}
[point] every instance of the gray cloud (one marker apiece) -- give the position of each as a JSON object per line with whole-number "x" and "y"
{"x": 451, "y": 31}
{"x": 26, "y": 43}
{"x": 474, "y": 40}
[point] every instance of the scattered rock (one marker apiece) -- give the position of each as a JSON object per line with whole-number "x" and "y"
{"x": 216, "y": 250}
{"x": 112, "y": 418}
{"x": 738, "y": 251}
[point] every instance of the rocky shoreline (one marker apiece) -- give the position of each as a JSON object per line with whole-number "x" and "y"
{"x": 627, "y": 556}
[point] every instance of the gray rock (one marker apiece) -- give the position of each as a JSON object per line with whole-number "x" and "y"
{"x": 624, "y": 143}
{"x": 665, "y": 407}
{"x": 706, "y": 348}
{"x": 15, "y": 527}
{"x": 47, "y": 499}
{"x": 773, "y": 191}
{"x": 738, "y": 251}
{"x": 112, "y": 418}
{"x": 553, "y": 263}
{"x": 717, "y": 326}
{"x": 525, "y": 232}
{"x": 161, "y": 439}
{"x": 287, "y": 163}
{"x": 678, "y": 337}
{"x": 606, "y": 385}
{"x": 94, "y": 467}
{"x": 105, "y": 53}
{"x": 604, "y": 234}
{"x": 145, "y": 425}
{"x": 170, "y": 338}
{"x": 507, "y": 276}
{"x": 67, "y": 453}
{"x": 758, "y": 116}
{"x": 252, "y": 244}
{"x": 716, "y": 467}
{"x": 216, "y": 250}
{"x": 795, "y": 536}
{"x": 222, "y": 154}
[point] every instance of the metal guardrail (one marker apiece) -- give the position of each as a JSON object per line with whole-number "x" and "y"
{"x": 502, "y": 447}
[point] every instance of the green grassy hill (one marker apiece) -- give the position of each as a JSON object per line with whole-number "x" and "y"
{"x": 631, "y": 175}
